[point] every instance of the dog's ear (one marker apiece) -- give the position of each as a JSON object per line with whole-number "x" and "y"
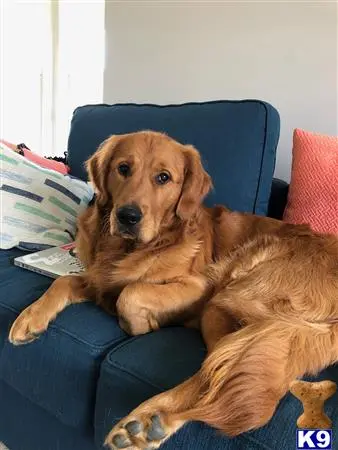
{"x": 98, "y": 167}
{"x": 197, "y": 183}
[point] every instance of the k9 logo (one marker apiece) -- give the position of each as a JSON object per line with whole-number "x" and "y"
{"x": 314, "y": 439}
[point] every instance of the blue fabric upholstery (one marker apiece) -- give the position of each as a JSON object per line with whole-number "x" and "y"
{"x": 237, "y": 140}
{"x": 18, "y": 288}
{"x": 26, "y": 426}
{"x": 142, "y": 367}
{"x": 59, "y": 371}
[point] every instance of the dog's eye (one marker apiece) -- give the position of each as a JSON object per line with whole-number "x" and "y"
{"x": 162, "y": 178}
{"x": 124, "y": 170}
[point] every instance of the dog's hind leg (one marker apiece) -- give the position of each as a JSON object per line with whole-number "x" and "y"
{"x": 155, "y": 420}
{"x": 238, "y": 387}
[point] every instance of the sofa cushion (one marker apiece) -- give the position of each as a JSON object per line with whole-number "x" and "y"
{"x": 140, "y": 368}
{"x": 59, "y": 371}
{"x": 237, "y": 140}
{"x": 147, "y": 365}
{"x": 26, "y": 426}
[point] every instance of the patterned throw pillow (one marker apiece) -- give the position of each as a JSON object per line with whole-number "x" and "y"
{"x": 313, "y": 193}
{"x": 39, "y": 207}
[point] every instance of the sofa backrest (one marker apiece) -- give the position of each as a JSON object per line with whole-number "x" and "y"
{"x": 237, "y": 141}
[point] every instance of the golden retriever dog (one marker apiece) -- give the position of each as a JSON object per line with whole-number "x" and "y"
{"x": 264, "y": 293}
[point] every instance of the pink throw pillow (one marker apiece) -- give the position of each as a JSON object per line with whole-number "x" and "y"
{"x": 313, "y": 192}
{"x": 40, "y": 160}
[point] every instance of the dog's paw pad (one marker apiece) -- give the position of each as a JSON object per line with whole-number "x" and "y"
{"x": 142, "y": 431}
{"x": 121, "y": 441}
{"x": 156, "y": 431}
{"x": 134, "y": 427}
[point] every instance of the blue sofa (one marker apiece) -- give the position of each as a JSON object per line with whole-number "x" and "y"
{"x": 66, "y": 390}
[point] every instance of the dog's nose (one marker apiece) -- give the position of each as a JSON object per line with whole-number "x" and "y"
{"x": 129, "y": 215}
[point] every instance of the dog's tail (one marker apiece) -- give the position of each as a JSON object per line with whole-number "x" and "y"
{"x": 250, "y": 371}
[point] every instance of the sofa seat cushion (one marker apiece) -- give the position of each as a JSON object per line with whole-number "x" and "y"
{"x": 58, "y": 371}
{"x": 142, "y": 367}
{"x": 237, "y": 141}
{"x": 26, "y": 426}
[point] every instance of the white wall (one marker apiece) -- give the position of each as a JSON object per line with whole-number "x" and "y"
{"x": 173, "y": 52}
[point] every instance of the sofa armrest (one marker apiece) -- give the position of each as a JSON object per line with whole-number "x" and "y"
{"x": 278, "y": 198}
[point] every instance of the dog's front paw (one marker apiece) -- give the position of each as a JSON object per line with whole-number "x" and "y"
{"x": 134, "y": 317}
{"x": 29, "y": 325}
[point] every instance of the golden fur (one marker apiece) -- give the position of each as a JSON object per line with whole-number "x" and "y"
{"x": 264, "y": 293}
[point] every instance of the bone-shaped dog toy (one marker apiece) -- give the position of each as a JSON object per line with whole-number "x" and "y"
{"x": 313, "y": 396}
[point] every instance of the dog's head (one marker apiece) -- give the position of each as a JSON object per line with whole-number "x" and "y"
{"x": 147, "y": 180}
